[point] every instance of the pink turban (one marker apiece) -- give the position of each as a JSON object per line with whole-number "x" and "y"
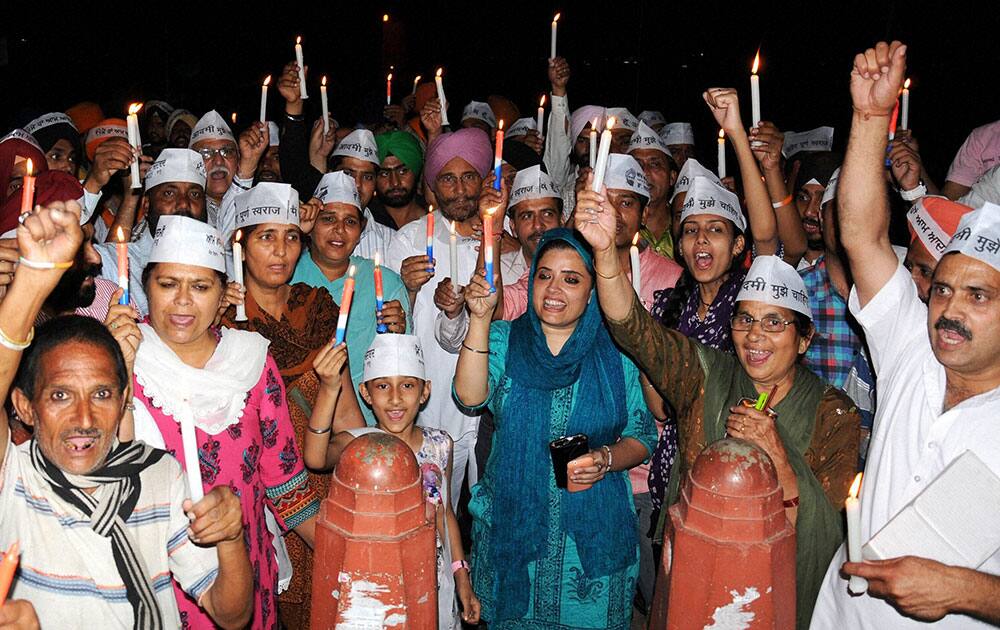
{"x": 581, "y": 117}
{"x": 472, "y": 145}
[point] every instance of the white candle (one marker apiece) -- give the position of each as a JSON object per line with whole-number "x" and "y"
{"x": 722, "y": 154}
{"x": 263, "y": 99}
{"x": 302, "y": 68}
{"x": 602, "y": 156}
{"x": 192, "y": 464}
{"x": 593, "y": 143}
{"x": 539, "y": 124}
{"x": 857, "y": 585}
{"x": 453, "y": 251}
{"x": 416, "y": 81}
{"x": 325, "y": 106}
{"x": 133, "y": 139}
{"x": 633, "y": 256}
{"x": 555, "y": 27}
{"x": 905, "y": 113}
{"x": 241, "y": 309}
{"x": 755, "y": 91}
{"x": 441, "y": 98}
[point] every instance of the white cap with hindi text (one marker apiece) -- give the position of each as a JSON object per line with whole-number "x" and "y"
{"x": 211, "y": 126}
{"x": 176, "y": 165}
{"x": 359, "y": 144}
{"x": 706, "y": 196}
{"x": 623, "y": 118}
{"x": 21, "y": 134}
{"x": 532, "y": 183}
{"x": 187, "y": 241}
{"x": 652, "y": 117}
{"x": 677, "y": 133}
{"x": 478, "y": 110}
{"x": 521, "y": 127}
{"x": 818, "y": 139}
{"x": 47, "y": 120}
{"x": 692, "y": 168}
{"x": 773, "y": 281}
{"x": 338, "y": 187}
{"x": 978, "y": 235}
{"x": 394, "y": 355}
{"x": 624, "y": 173}
{"x": 645, "y": 138}
{"x": 267, "y": 202}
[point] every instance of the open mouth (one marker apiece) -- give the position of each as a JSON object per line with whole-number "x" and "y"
{"x": 80, "y": 443}
{"x": 703, "y": 260}
{"x": 949, "y": 338}
{"x": 396, "y": 415}
{"x": 757, "y": 357}
{"x": 553, "y": 306}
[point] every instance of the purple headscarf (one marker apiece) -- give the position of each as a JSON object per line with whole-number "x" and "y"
{"x": 472, "y": 145}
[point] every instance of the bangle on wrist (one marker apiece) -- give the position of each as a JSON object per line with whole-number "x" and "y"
{"x": 607, "y": 457}
{"x": 319, "y": 431}
{"x": 915, "y": 193}
{"x": 781, "y": 204}
{"x": 16, "y": 346}
{"x": 790, "y": 503}
{"x": 474, "y": 350}
{"x": 459, "y": 564}
{"x": 611, "y": 277}
{"x": 35, "y": 264}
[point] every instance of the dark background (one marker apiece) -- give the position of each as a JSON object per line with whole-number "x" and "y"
{"x": 641, "y": 54}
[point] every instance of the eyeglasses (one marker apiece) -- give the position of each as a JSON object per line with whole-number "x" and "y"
{"x": 450, "y": 180}
{"x": 768, "y": 323}
{"x": 225, "y": 153}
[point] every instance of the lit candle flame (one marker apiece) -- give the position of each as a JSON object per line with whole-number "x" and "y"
{"x": 134, "y": 108}
{"x": 438, "y": 72}
{"x": 906, "y": 84}
{"x": 556, "y": 18}
{"x": 121, "y": 235}
{"x": 233, "y": 118}
{"x": 378, "y": 259}
{"x": 593, "y": 125}
{"x": 856, "y": 486}
{"x": 350, "y": 272}
{"x": 416, "y": 79}
{"x": 430, "y": 208}
{"x": 323, "y": 82}
{"x": 635, "y": 239}
{"x": 239, "y": 236}
{"x": 756, "y": 62}
{"x": 385, "y": 17}
{"x": 267, "y": 81}
{"x": 389, "y": 78}
{"x": 500, "y": 124}
{"x": 452, "y": 227}
{"x": 31, "y": 168}
{"x": 541, "y": 102}
{"x": 298, "y": 40}
{"x": 490, "y": 211}
{"x": 722, "y": 134}
{"x": 610, "y": 123}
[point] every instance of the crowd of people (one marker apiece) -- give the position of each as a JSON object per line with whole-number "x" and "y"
{"x": 177, "y": 393}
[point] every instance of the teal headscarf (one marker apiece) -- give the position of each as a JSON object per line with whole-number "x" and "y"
{"x": 599, "y": 520}
{"x": 403, "y": 145}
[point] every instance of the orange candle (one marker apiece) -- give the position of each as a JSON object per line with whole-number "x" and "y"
{"x": 121, "y": 246}
{"x": 8, "y": 566}
{"x": 28, "y": 189}
{"x": 388, "y": 89}
{"x": 498, "y": 156}
{"x": 379, "y": 298}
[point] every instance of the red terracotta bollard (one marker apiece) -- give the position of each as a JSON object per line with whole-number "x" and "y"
{"x": 731, "y": 558}
{"x": 375, "y": 564}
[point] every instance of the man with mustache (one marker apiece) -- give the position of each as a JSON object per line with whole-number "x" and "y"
{"x": 938, "y": 372}
{"x": 661, "y": 172}
{"x": 269, "y": 168}
{"x": 397, "y": 182}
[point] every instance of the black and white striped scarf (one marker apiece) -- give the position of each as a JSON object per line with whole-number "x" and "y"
{"x": 107, "y": 516}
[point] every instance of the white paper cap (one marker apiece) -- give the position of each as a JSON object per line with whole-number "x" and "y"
{"x": 623, "y": 118}
{"x": 773, "y": 281}
{"x": 583, "y": 116}
{"x": 394, "y": 355}
{"x": 692, "y": 168}
{"x": 273, "y": 134}
{"x": 624, "y": 173}
{"x": 978, "y": 235}
{"x": 188, "y": 241}
{"x": 359, "y": 144}
{"x": 267, "y": 202}
{"x": 21, "y": 134}
{"x": 176, "y": 165}
{"x": 677, "y": 133}
{"x": 532, "y": 183}
{"x": 830, "y": 192}
{"x": 104, "y": 131}
{"x": 338, "y": 187}
{"x": 706, "y": 196}
{"x": 645, "y": 138}
{"x": 818, "y": 139}
{"x": 211, "y": 126}
{"x": 480, "y": 111}
{"x": 652, "y": 117}
{"x": 521, "y": 127}
{"x": 47, "y": 120}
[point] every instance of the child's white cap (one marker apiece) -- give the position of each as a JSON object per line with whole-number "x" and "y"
{"x": 394, "y": 355}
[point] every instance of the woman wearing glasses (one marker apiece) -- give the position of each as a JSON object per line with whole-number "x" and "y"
{"x": 808, "y": 428}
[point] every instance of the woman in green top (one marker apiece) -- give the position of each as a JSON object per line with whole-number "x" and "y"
{"x": 813, "y": 442}
{"x": 543, "y": 557}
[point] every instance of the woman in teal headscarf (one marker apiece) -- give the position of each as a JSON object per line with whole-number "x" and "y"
{"x": 544, "y": 557}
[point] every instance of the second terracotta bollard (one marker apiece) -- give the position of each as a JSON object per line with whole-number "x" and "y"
{"x": 731, "y": 558}
{"x": 375, "y": 564}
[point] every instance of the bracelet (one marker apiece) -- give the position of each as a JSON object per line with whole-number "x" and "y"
{"x": 459, "y": 564}
{"x": 608, "y": 457}
{"x": 790, "y": 503}
{"x": 319, "y": 431}
{"x": 915, "y": 193}
{"x": 16, "y": 346}
{"x": 781, "y": 204}
{"x": 34, "y": 264}
{"x": 608, "y": 277}
{"x": 868, "y": 114}
{"x": 474, "y": 350}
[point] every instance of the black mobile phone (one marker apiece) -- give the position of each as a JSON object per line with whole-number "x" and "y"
{"x": 563, "y": 451}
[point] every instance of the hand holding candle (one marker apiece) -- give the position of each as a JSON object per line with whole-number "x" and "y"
{"x": 601, "y": 165}
{"x": 302, "y": 68}
{"x": 379, "y": 296}
{"x": 28, "y": 188}
{"x": 241, "y": 309}
{"x": 132, "y": 125}
{"x": 345, "y": 305}
{"x": 8, "y": 567}
{"x": 263, "y": 99}
{"x": 121, "y": 247}
{"x": 857, "y": 585}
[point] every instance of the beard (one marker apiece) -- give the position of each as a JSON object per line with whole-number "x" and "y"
{"x": 398, "y": 197}
{"x": 72, "y": 291}
{"x": 459, "y": 207}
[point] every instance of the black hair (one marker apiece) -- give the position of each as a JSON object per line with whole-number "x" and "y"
{"x": 560, "y": 245}
{"x": 148, "y": 271}
{"x": 66, "y": 329}
{"x": 803, "y": 325}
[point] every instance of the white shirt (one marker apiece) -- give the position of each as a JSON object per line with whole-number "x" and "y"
{"x": 912, "y": 442}
{"x": 374, "y": 238}
{"x": 558, "y": 147}
{"x": 411, "y": 240}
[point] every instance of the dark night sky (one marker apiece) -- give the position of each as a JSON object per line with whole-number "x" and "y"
{"x": 641, "y": 54}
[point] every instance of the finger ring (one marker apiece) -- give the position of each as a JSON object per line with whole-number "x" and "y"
{"x": 113, "y": 325}
{"x": 23, "y": 216}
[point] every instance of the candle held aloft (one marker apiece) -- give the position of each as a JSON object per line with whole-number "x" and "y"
{"x": 325, "y": 106}
{"x": 192, "y": 463}
{"x": 28, "y": 188}
{"x": 755, "y": 90}
{"x": 379, "y": 296}
{"x": 302, "y": 68}
{"x": 132, "y": 125}
{"x": 121, "y": 248}
{"x": 241, "y": 309}
{"x": 539, "y": 124}
{"x": 441, "y": 98}
{"x": 722, "y": 153}
{"x": 8, "y": 567}
{"x": 416, "y": 82}
{"x": 633, "y": 256}
{"x": 905, "y": 114}
{"x": 430, "y": 239}
{"x": 498, "y": 156}
{"x": 555, "y": 28}
{"x": 388, "y": 89}
{"x": 593, "y": 143}
{"x": 263, "y": 99}
{"x": 488, "y": 247}
{"x": 601, "y": 166}
{"x": 856, "y": 585}
{"x": 453, "y": 255}
{"x": 345, "y": 306}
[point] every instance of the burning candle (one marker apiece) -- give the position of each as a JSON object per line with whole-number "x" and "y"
{"x": 892, "y": 121}
{"x": 498, "y": 156}
{"x": 555, "y": 27}
{"x": 430, "y": 239}
{"x": 722, "y": 153}
{"x": 28, "y": 188}
{"x": 906, "y": 105}
{"x": 388, "y": 89}
{"x": 593, "y": 143}
{"x": 325, "y": 106}
{"x": 232, "y": 117}
{"x": 488, "y": 247}
{"x": 453, "y": 252}
{"x": 133, "y": 139}
{"x": 633, "y": 256}
{"x": 241, "y": 309}
{"x": 8, "y": 567}
{"x": 302, "y": 67}
{"x": 416, "y": 82}
{"x": 441, "y": 98}
{"x": 755, "y": 90}
{"x": 539, "y": 124}
{"x": 192, "y": 463}
{"x": 345, "y": 305}
{"x": 121, "y": 247}
{"x": 857, "y": 585}
{"x": 602, "y": 156}
{"x": 263, "y": 99}
{"x": 379, "y": 297}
